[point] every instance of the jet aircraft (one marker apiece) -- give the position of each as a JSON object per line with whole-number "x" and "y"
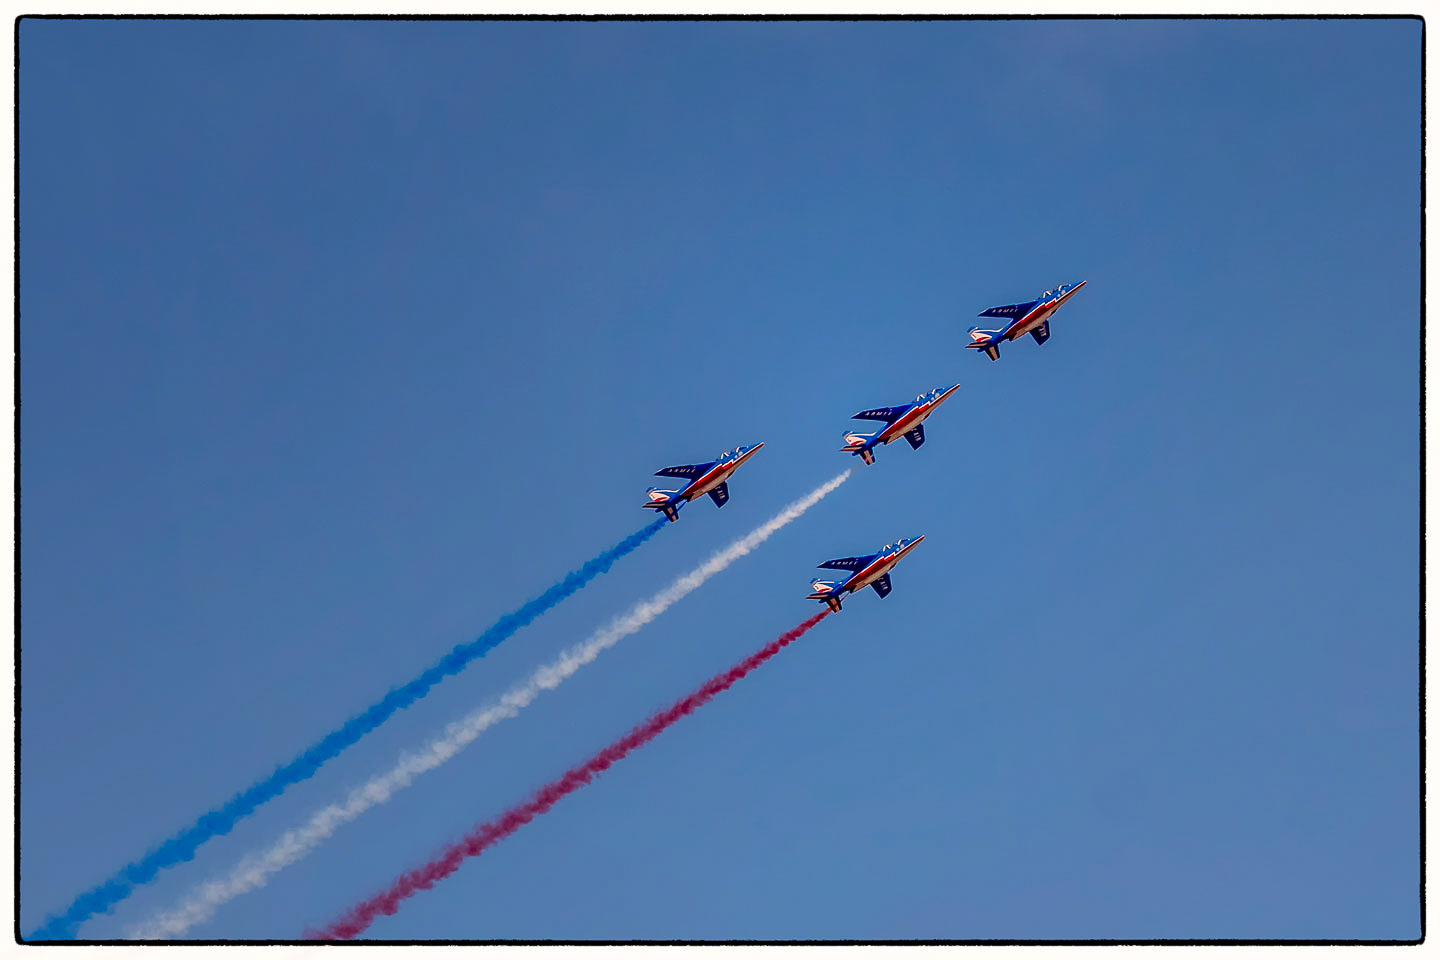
{"x": 705, "y": 478}
{"x": 1032, "y": 317}
{"x": 905, "y": 421}
{"x": 872, "y": 571}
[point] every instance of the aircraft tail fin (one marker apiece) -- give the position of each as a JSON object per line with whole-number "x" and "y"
{"x": 855, "y": 443}
{"x": 826, "y": 590}
{"x": 987, "y": 340}
{"x": 661, "y": 500}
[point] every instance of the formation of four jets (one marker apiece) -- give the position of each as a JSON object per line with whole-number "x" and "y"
{"x": 906, "y": 420}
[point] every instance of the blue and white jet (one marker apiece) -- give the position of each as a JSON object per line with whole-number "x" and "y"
{"x": 705, "y": 478}
{"x": 1032, "y": 317}
{"x": 905, "y": 421}
{"x": 871, "y": 571}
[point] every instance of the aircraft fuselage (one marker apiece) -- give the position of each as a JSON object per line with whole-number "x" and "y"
{"x": 912, "y": 418}
{"x": 1040, "y": 314}
{"x": 715, "y": 476}
{"x": 878, "y": 567}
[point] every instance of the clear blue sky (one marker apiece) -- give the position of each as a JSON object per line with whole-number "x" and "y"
{"x": 341, "y": 339}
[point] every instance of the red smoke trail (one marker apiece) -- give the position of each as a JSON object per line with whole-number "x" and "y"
{"x": 483, "y": 837}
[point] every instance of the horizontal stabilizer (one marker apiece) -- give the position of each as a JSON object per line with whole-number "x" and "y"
{"x": 690, "y": 470}
{"x": 916, "y": 436}
{"x": 882, "y": 586}
{"x": 720, "y": 494}
{"x": 1011, "y": 311}
{"x": 888, "y": 414}
{"x": 1042, "y": 332}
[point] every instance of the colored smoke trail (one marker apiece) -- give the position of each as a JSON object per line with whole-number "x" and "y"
{"x": 255, "y": 871}
{"x": 182, "y": 846}
{"x": 482, "y": 838}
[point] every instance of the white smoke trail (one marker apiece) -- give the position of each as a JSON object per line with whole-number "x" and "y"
{"x": 255, "y": 871}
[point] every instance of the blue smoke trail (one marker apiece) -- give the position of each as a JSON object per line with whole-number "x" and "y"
{"x": 182, "y": 846}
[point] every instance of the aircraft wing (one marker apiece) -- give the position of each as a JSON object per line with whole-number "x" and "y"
{"x": 882, "y": 585}
{"x": 1042, "y": 332}
{"x": 720, "y": 494}
{"x": 888, "y": 414}
{"x": 1012, "y": 311}
{"x": 848, "y": 563}
{"x": 690, "y": 470}
{"x": 916, "y": 436}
